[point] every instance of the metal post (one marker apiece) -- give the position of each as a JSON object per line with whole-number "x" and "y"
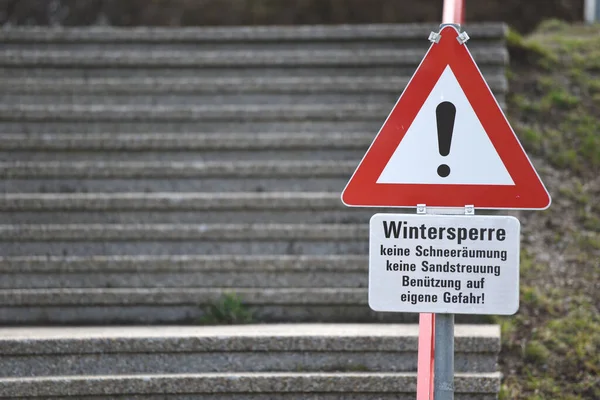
{"x": 592, "y": 11}
{"x": 454, "y": 12}
{"x": 443, "y": 362}
{"x": 443, "y": 359}
{"x": 443, "y": 376}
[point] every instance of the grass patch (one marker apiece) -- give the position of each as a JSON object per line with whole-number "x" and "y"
{"x": 551, "y": 347}
{"x": 229, "y": 310}
{"x": 553, "y": 354}
{"x": 536, "y": 353}
{"x": 560, "y": 67}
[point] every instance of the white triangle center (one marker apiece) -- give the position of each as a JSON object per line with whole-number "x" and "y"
{"x": 472, "y": 158}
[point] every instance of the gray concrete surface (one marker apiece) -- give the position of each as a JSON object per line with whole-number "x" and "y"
{"x": 276, "y": 348}
{"x": 294, "y": 385}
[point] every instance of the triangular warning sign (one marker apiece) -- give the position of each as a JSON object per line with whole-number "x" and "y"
{"x": 446, "y": 143}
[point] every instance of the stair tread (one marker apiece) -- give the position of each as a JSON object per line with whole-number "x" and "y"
{"x": 183, "y": 113}
{"x": 195, "y": 85}
{"x": 282, "y": 382}
{"x": 246, "y": 33}
{"x": 156, "y": 169}
{"x": 210, "y": 232}
{"x": 180, "y": 296}
{"x": 174, "y": 141}
{"x": 222, "y": 263}
{"x": 312, "y": 201}
{"x": 275, "y": 337}
{"x": 223, "y": 332}
{"x": 232, "y": 58}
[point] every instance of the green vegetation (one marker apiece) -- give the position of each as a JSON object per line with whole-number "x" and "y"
{"x": 557, "y": 110}
{"x": 229, "y": 310}
{"x": 551, "y": 348}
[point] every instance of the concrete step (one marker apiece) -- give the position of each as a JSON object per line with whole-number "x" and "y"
{"x": 219, "y": 113}
{"x": 235, "y": 90}
{"x": 388, "y": 99}
{"x": 232, "y": 59}
{"x": 217, "y": 141}
{"x": 216, "y": 128}
{"x": 211, "y": 91}
{"x": 213, "y": 86}
{"x": 173, "y": 169}
{"x": 184, "y": 271}
{"x": 201, "y": 208}
{"x": 37, "y": 352}
{"x": 224, "y": 100}
{"x": 185, "y": 155}
{"x": 181, "y": 305}
{"x": 348, "y": 44}
{"x": 255, "y": 386}
{"x": 249, "y": 72}
{"x": 195, "y": 86}
{"x": 242, "y": 34}
{"x": 106, "y": 306}
{"x": 212, "y": 232}
{"x": 169, "y": 141}
{"x": 169, "y": 239}
{"x": 184, "y": 147}
{"x": 173, "y": 176}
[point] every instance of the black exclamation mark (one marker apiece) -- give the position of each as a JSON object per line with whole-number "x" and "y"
{"x": 445, "y": 113}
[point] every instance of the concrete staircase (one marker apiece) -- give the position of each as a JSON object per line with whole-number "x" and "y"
{"x": 257, "y": 362}
{"x": 149, "y": 172}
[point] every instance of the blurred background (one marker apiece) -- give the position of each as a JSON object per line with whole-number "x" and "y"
{"x": 523, "y": 15}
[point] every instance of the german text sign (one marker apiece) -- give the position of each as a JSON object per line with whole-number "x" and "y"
{"x": 444, "y": 264}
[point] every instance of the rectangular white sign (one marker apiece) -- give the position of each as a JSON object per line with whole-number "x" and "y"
{"x": 444, "y": 264}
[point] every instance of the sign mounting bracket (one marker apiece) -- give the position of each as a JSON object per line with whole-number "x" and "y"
{"x": 422, "y": 209}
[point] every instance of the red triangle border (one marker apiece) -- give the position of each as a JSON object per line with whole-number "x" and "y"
{"x": 528, "y": 192}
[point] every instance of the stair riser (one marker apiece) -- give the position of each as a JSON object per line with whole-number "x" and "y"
{"x": 210, "y": 72}
{"x": 184, "y": 155}
{"x": 185, "y": 114}
{"x": 232, "y": 46}
{"x": 181, "y": 363}
{"x": 174, "y": 170}
{"x": 240, "y": 279}
{"x": 309, "y": 215}
{"x": 183, "y": 247}
{"x": 327, "y": 58}
{"x": 166, "y": 99}
{"x": 217, "y": 128}
{"x": 36, "y": 315}
{"x": 350, "y": 112}
{"x": 186, "y": 314}
{"x": 274, "y": 45}
{"x": 199, "y": 184}
{"x": 189, "y": 86}
{"x": 242, "y": 141}
{"x": 388, "y": 100}
{"x": 244, "y": 34}
{"x": 475, "y": 386}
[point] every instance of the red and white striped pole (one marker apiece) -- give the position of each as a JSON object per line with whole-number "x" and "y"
{"x": 453, "y": 13}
